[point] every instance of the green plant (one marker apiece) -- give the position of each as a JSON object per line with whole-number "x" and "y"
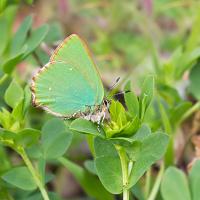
{"x": 160, "y": 39}
{"x": 125, "y": 148}
{"x": 187, "y": 186}
{"x": 14, "y": 131}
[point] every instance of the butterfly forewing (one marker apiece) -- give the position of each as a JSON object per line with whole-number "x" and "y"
{"x": 74, "y": 50}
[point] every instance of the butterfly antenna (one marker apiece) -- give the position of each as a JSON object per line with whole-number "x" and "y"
{"x": 110, "y": 90}
{"x": 115, "y": 83}
{"x": 124, "y": 92}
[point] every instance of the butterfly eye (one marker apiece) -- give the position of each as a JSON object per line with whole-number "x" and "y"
{"x": 106, "y": 103}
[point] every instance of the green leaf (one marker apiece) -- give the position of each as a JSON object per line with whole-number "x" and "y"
{"x": 35, "y": 151}
{"x": 27, "y": 137}
{"x": 194, "y": 179}
{"x": 193, "y": 38}
{"x": 7, "y": 138}
{"x": 6, "y": 25}
{"x": 41, "y": 169}
{"x": 52, "y": 127}
{"x": 2, "y": 5}
{"x": 36, "y": 37}
{"x": 29, "y": 1}
{"x": 117, "y": 113}
{"x": 4, "y": 160}
{"x": 152, "y": 149}
{"x": 38, "y": 196}
{"x": 121, "y": 124}
{"x": 21, "y": 35}
{"x": 186, "y": 62}
{"x": 133, "y": 150}
{"x": 131, "y": 100}
{"x": 167, "y": 126}
{"x": 6, "y": 120}
{"x": 126, "y": 130}
{"x": 20, "y": 177}
{"x": 146, "y": 95}
{"x": 164, "y": 117}
{"x": 90, "y": 166}
{"x": 90, "y": 141}
{"x": 104, "y": 147}
{"x": 136, "y": 190}
{"x": 55, "y": 33}
{"x": 131, "y": 127}
{"x": 168, "y": 93}
{"x": 56, "y": 138}
{"x": 122, "y": 141}
{"x": 131, "y": 146}
{"x": 17, "y": 112}
{"x": 14, "y": 94}
{"x": 86, "y": 127}
{"x": 4, "y": 40}
{"x": 10, "y": 64}
{"x": 148, "y": 89}
{"x": 174, "y": 185}
{"x": 142, "y": 133}
{"x": 195, "y": 81}
{"x": 108, "y": 165}
{"x": 4, "y": 33}
{"x": 27, "y": 99}
{"x": 90, "y": 183}
{"x": 177, "y": 112}
{"x": 110, "y": 173}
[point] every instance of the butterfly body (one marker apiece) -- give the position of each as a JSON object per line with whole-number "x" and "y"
{"x": 97, "y": 114}
{"x": 70, "y": 86}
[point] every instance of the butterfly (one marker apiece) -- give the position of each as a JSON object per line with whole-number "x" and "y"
{"x": 69, "y": 85}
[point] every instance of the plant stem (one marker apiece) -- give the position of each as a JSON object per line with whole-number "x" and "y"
{"x": 130, "y": 166}
{"x": 156, "y": 186}
{"x": 37, "y": 59}
{"x": 3, "y": 78}
{"x": 193, "y": 109}
{"x": 35, "y": 174}
{"x": 169, "y": 155}
{"x": 148, "y": 183}
{"x": 125, "y": 173}
{"x": 5, "y": 195}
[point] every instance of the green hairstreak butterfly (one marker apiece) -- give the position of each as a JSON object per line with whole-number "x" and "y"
{"x": 70, "y": 86}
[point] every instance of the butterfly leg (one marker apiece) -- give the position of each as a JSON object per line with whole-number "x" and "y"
{"x": 100, "y": 121}
{"x": 98, "y": 126}
{"x": 90, "y": 116}
{"x": 103, "y": 118}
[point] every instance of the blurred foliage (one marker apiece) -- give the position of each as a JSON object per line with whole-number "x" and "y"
{"x": 187, "y": 186}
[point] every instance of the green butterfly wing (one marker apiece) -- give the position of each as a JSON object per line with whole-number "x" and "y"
{"x": 70, "y": 82}
{"x": 75, "y": 51}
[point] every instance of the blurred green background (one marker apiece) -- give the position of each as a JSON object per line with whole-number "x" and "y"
{"x": 124, "y": 36}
